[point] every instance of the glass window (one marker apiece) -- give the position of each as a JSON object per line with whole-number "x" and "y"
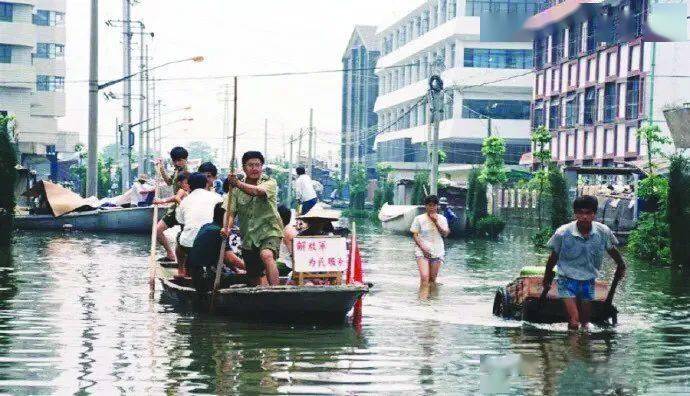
{"x": 632, "y": 99}
{"x": 509, "y": 7}
{"x": 498, "y": 109}
{"x": 590, "y": 106}
{"x": 42, "y": 83}
{"x": 452, "y": 55}
{"x": 42, "y": 18}
{"x": 452, "y": 9}
{"x": 5, "y": 53}
{"x": 554, "y": 114}
{"x": 50, "y": 83}
{"x": 538, "y": 119}
{"x": 574, "y": 40}
{"x": 571, "y": 111}
{"x": 557, "y": 46}
{"x": 498, "y": 58}
{"x": 43, "y": 50}
{"x": 6, "y": 12}
{"x": 610, "y": 103}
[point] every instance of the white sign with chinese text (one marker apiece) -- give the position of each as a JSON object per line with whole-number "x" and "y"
{"x": 320, "y": 254}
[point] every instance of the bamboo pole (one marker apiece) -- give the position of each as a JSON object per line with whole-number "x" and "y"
{"x": 154, "y": 222}
{"x": 221, "y": 254}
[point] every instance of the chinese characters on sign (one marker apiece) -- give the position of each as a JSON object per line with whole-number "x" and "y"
{"x": 320, "y": 254}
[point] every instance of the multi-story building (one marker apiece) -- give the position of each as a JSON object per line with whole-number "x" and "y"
{"x": 597, "y": 79}
{"x": 32, "y": 77}
{"x": 486, "y": 77}
{"x": 360, "y": 90}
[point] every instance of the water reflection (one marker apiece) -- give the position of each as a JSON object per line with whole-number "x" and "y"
{"x": 75, "y": 316}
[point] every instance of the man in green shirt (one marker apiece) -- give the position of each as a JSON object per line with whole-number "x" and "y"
{"x": 254, "y": 201}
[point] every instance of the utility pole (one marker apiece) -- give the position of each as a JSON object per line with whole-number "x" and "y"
{"x": 225, "y": 140}
{"x": 310, "y": 164}
{"x": 141, "y": 163}
{"x": 299, "y": 148}
{"x": 160, "y": 129}
{"x": 266, "y": 138}
{"x": 289, "y": 194}
{"x": 91, "y": 174}
{"x": 126, "y": 155}
{"x": 488, "y": 126}
{"x": 436, "y": 98}
{"x": 148, "y": 103}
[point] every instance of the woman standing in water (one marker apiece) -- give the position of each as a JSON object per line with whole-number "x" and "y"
{"x": 428, "y": 230}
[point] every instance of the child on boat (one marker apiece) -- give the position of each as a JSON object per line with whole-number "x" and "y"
{"x": 428, "y": 230}
{"x": 577, "y": 248}
{"x": 178, "y": 155}
{"x": 183, "y": 181}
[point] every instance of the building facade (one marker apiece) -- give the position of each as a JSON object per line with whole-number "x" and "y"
{"x": 598, "y": 79}
{"x": 360, "y": 90}
{"x": 485, "y": 73}
{"x": 32, "y": 78}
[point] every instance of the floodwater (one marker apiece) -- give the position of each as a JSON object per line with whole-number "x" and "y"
{"x": 76, "y": 317}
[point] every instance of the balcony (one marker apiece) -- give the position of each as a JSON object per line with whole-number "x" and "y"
{"x": 17, "y": 75}
{"x": 18, "y": 33}
{"x": 50, "y": 67}
{"x": 50, "y": 34}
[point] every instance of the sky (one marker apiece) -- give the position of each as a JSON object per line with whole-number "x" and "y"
{"x": 235, "y": 38}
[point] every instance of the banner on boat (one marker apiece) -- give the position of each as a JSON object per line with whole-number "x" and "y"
{"x": 320, "y": 254}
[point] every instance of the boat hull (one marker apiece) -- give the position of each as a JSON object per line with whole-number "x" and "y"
{"x": 122, "y": 220}
{"x": 401, "y": 223}
{"x": 280, "y": 303}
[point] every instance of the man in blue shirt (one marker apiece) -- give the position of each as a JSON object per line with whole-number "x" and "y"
{"x": 578, "y": 249}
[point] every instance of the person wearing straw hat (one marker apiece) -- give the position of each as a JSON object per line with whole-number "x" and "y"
{"x": 140, "y": 191}
{"x": 254, "y": 201}
{"x": 319, "y": 221}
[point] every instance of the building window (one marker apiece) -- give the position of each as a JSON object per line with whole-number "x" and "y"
{"x": 538, "y": 119}
{"x": 50, "y": 83}
{"x": 554, "y": 114}
{"x": 591, "y": 35}
{"x": 48, "y": 18}
{"x": 610, "y": 102}
{"x": 452, "y": 9}
{"x": 557, "y": 46}
{"x": 590, "y": 106}
{"x": 452, "y": 55}
{"x": 6, "y": 12}
{"x": 5, "y": 53}
{"x": 498, "y": 58}
{"x": 632, "y": 99}
{"x": 503, "y": 7}
{"x": 574, "y": 40}
{"x": 425, "y": 21}
{"x": 498, "y": 109}
{"x": 448, "y": 108}
{"x": 49, "y": 50}
{"x": 571, "y": 110}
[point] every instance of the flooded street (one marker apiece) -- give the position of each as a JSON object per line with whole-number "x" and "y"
{"x": 75, "y": 315}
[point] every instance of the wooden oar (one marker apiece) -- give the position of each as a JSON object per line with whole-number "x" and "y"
{"x": 221, "y": 254}
{"x": 154, "y": 222}
{"x": 612, "y": 290}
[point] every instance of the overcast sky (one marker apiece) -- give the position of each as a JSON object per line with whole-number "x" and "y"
{"x": 235, "y": 37}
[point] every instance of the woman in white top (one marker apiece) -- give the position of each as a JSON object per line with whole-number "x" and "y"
{"x": 289, "y": 233}
{"x": 428, "y": 231}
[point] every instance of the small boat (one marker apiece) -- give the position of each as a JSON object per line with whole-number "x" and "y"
{"x": 398, "y": 218}
{"x": 520, "y": 300}
{"x": 135, "y": 220}
{"x": 323, "y": 303}
{"x": 61, "y": 208}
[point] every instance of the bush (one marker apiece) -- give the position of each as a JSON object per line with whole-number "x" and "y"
{"x": 358, "y": 187}
{"x": 491, "y": 226}
{"x": 650, "y": 240}
{"x": 480, "y": 204}
{"x": 472, "y": 181}
{"x": 8, "y": 177}
{"x": 560, "y": 208}
{"x": 678, "y": 210}
{"x": 421, "y": 188}
{"x": 541, "y": 237}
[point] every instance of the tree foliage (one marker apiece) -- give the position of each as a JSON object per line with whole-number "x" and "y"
{"x": 420, "y": 188}
{"x": 358, "y": 186}
{"x": 560, "y": 208}
{"x": 202, "y": 151}
{"x": 8, "y": 177}
{"x": 494, "y": 171}
{"x": 678, "y": 210}
{"x": 385, "y": 187}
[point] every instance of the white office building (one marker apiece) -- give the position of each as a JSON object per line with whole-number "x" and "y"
{"x": 32, "y": 77}
{"x": 484, "y": 78}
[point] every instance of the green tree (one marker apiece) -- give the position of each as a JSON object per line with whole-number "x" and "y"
{"x": 200, "y": 150}
{"x": 358, "y": 186}
{"x": 8, "y": 177}
{"x": 420, "y": 187}
{"x": 385, "y": 187}
{"x": 678, "y": 210}
{"x": 472, "y": 184}
{"x": 560, "y": 209}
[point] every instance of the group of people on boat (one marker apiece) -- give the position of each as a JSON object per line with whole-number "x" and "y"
{"x": 242, "y": 211}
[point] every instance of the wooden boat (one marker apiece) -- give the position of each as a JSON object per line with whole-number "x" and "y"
{"x": 398, "y": 218}
{"x": 323, "y": 304}
{"x": 135, "y": 220}
{"x": 520, "y": 300}
{"x": 65, "y": 209}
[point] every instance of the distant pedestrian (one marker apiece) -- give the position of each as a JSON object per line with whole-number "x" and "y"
{"x": 304, "y": 190}
{"x": 428, "y": 230}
